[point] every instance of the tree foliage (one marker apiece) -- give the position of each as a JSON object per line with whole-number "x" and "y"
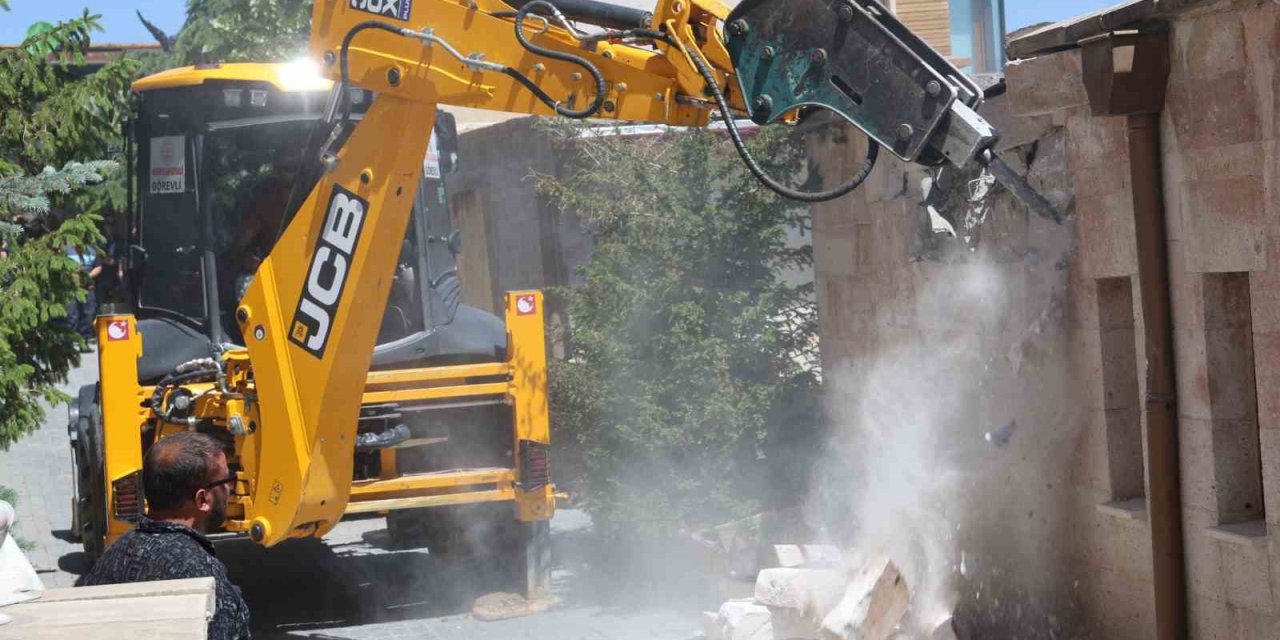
{"x": 684, "y": 339}
{"x": 244, "y": 31}
{"x": 39, "y": 92}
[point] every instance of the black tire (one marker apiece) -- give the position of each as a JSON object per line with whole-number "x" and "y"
{"x": 91, "y": 491}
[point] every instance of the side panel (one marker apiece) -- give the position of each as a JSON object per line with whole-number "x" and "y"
{"x": 119, "y": 347}
{"x": 312, "y": 315}
{"x": 526, "y": 341}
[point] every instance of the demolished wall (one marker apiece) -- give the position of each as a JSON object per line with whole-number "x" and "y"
{"x": 1057, "y": 344}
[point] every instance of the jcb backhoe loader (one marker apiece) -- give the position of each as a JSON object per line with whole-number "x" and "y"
{"x": 300, "y": 391}
{"x": 221, "y": 166}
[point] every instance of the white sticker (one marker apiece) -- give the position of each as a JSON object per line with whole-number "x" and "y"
{"x": 168, "y": 164}
{"x": 431, "y": 164}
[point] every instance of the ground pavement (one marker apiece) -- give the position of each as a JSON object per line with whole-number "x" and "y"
{"x": 353, "y": 584}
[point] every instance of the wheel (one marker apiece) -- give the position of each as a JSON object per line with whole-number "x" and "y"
{"x": 90, "y": 516}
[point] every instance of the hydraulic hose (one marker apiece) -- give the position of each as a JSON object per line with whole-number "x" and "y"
{"x": 345, "y": 78}
{"x": 873, "y": 148}
{"x": 577, "y": 114}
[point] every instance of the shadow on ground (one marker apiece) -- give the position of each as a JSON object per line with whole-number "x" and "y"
{"x": 355, "y": 578}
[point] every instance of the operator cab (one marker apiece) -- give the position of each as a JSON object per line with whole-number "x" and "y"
{"x": 225, "y": 156}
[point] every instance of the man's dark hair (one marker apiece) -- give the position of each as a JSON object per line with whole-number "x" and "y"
{"x": 176, "y": 467}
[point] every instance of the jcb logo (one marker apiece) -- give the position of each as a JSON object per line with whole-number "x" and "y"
{"x": 398, "y": 9}
{"x": 328, "y": 273}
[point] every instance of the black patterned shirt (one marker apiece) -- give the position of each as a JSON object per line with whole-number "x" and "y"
{"x": 157, "y": 550}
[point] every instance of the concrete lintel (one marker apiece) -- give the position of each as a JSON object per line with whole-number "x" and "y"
{"x": 1068, "y": 33}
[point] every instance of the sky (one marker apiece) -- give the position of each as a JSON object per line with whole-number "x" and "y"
{"x": 120, "y": 23}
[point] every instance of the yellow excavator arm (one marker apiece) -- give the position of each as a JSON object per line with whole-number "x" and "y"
{"x": 312, "y": 314}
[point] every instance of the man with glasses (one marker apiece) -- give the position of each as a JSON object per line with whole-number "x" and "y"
{"x": 186, "y": 483}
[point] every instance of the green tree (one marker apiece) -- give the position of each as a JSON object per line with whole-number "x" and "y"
{"x": 38, "y": 90}
{"x": 684, "y": 339}
{"x": 244, "y": 31}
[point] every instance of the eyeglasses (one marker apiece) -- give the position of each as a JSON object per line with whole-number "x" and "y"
{"x": 227, "y": 480}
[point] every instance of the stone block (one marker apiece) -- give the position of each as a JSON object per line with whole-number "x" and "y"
{"x": 1045, "y": 84}
{"x": 1092, "y": 466}
{"x": 1105, "y": 225}
{"x": 1124, "y": 453}
{"x": 1101, "y": 142}
{"x": 741, "y": 620}
{"x": 1209, "y": 44}
{"x": 1195, "y": 450}
{"x": 1203, "y": 560}
{"x": 1015, "y": 130}
{"x": 1246, "y": 571}
{"x": 1250, "y": 624}
{"x": 802, "y": 555}
{"x": 872, "y": 606}
{"x": 1262, "y": 50}
{"x": 1187, "y": 291}
{"x": 1269, "y": 450}
{"x": 1238, "y": 485}
{"x": 834, "y": 253}
{"x": 1193, "y": 374}
{"x": 1266, "y": 352}
{"x": 1209, "y": 618}
{"x": 1264, "y": 290}
{"x": 1132, "y": 547}
{"x": 1224, "y": 220}
{"x": 812, "y": 592}
{"x": 789, "y": 624}
{"x": 1225, "y": 161}
{"x": 1214, "y": 110}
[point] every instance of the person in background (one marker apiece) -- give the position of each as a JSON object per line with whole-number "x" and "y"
{"x": 110, "y": 283}
{"x": 80, "y": 315}
{"x": 187, "y": 484}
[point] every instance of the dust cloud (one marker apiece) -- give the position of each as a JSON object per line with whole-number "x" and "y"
{"x": 951, "y": 444}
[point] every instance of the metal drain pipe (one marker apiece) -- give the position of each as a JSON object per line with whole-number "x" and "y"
{"x": 1125, "y": 74}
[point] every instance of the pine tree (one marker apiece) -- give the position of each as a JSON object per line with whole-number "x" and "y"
{"x": 38, "y": 91}
{"x": 684, "y": 338}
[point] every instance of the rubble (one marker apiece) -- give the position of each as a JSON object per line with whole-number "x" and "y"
{"x": 741, "y": 620}
{"x": 806, "y": 555}
{"x": 825, "y": 594}
{"x": 812, "y": 592}
{"x": 872, "y": 606}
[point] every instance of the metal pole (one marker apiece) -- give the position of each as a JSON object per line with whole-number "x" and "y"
{"x": 1161, "y": 410}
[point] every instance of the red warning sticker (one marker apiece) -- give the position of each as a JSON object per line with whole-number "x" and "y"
{"x": 118, "y": 330}
{"x": 526, "y": 305}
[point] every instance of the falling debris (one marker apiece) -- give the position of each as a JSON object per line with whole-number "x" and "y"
{"x": 866, "y": 599}
{"x": 1001, "y": 436}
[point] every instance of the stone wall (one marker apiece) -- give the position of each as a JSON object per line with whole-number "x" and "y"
{"x": 1221, "y": 166}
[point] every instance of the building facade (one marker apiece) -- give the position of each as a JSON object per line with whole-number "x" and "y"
{"x": 1055, "y": 529}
